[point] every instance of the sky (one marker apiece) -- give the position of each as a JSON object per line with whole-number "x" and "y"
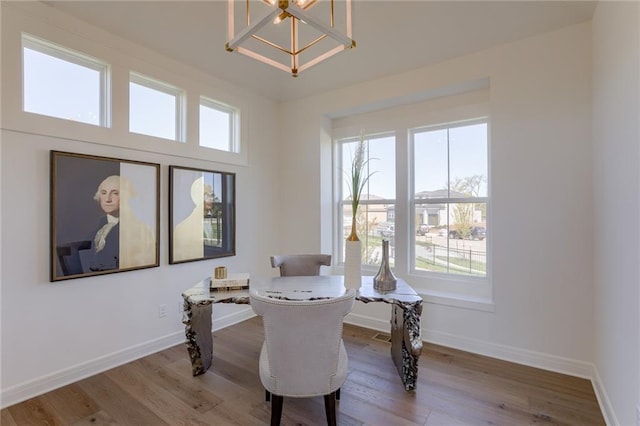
{"x": 63, "y": 89}
{"x": 466, "y": 147}
{"x": 60, "y": 88}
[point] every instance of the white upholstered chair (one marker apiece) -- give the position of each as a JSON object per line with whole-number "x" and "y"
{"x": 303, "y": 354}
{"x": 300, "y": 264}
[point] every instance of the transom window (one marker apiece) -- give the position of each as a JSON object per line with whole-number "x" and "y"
{"x": 155, "y": 108}
{"x": 62, "y": 83}
{"x": 218, "y": 126}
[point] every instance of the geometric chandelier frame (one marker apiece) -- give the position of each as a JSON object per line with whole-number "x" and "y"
{"x": 296, "y": 13}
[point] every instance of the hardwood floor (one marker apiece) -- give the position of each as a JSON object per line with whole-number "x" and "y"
{"x": 454, "y": 388}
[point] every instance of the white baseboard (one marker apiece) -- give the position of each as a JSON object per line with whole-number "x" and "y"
{"x": 35, "y": 387}
{"x": 232, "y": 318}
{"x": 367, "y": 322}
{"x": 507, "y": 353}
{"x": 603, "y": 399}
{"x": 38, "y": 386}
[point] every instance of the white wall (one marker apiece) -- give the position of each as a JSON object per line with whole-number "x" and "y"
{"x": 54, "y": 333}
{"x": 540, "y": 164}
{"x": 616, "y": 136}
{"x": 541, "y": 161}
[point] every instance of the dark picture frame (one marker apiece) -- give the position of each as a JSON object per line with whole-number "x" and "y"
{"x": 105, "y": 215}
{"x": 202, "y": 214}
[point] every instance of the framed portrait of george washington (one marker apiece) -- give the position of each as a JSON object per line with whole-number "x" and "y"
{"x": 201, "y": 214}
{"x": 105, "y": 215}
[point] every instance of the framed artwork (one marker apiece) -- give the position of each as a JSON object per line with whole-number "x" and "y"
{"x": 105, "y": 215}
{"x": 201, "y": 214}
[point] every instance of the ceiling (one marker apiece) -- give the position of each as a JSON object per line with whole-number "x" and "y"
{"x": 392, "y": 36}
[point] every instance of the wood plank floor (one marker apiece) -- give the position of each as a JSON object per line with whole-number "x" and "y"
{"x": 454, "y": 388}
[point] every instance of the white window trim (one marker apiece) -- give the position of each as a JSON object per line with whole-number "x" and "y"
{"x": 234, "y": 126}
{"x": 337, "y": 143}
{"x": 115, "y": 132}
{"x": 448, "y": 289}
{"x": 161, "y": 86}
{"x": 451, "y": 200}
{"x": 69, "y": 55}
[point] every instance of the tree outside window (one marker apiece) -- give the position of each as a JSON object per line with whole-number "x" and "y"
{"x": 450, "y": 179}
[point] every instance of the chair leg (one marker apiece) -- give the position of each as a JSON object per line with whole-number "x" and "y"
{"x": 338, "y": 395}
{"x": 276, "y": 409}
{"x": 267, "y": 395}
{"x": 330, "y": 408}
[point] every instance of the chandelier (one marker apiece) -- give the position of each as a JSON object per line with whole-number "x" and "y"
{"x": 310, "y": 37}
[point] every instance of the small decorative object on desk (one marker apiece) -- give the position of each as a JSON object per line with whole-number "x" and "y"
{"x": 231, "y": 282}
{"x": 385, "y": 280}
{"x": 220, "y": 272}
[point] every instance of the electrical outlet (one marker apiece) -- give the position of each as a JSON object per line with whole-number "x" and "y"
{"x": 162, "y": 311}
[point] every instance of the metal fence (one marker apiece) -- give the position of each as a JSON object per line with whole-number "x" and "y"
{"x": 457, "y": 260}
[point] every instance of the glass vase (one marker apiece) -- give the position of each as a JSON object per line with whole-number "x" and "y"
{"x": 384, "y": 279}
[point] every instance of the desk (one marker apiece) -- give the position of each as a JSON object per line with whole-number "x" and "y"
{"x": 406, "y": 345}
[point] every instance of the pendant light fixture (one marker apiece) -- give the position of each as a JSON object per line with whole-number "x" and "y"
{"x": 291, "y": 35}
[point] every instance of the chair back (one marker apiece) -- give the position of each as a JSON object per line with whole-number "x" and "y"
{"x": 303, "y": 343}
{"x": 300, "y": 264}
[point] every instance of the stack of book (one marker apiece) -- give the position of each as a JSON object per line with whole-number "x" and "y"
{"x": 238, "y": 281}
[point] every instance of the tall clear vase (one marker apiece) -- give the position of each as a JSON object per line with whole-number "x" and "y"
{"x": 384, "y": 279}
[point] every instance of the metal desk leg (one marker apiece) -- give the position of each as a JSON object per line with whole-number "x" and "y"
{"x": 406, "y": 344}
{"x": 197, "y": 321}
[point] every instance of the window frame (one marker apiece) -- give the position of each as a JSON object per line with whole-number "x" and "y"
{"x": 448, "y": 201}
{"x": 114, "y": 130}
{"x": 342, "y": 202}
{"x": 166, "y": 88}
{"x": 31, "y": 42}
{"x": 466, "y": 105}
{"x": 234, "y": 123}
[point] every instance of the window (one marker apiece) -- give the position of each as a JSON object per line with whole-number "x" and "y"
{"x": 61, "y": 83}
{"x": 155, "y": 108}
{"x": 450, "y": 199}
{"x": 374, "y": 218}
{"x": 218, "y": 126}
{"x": 428, "y": 195}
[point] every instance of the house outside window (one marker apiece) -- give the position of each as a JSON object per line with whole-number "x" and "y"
{"x": 377, "y": 198}
{"x": 438, "y": 216}
{"x": 450, "y": 198}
